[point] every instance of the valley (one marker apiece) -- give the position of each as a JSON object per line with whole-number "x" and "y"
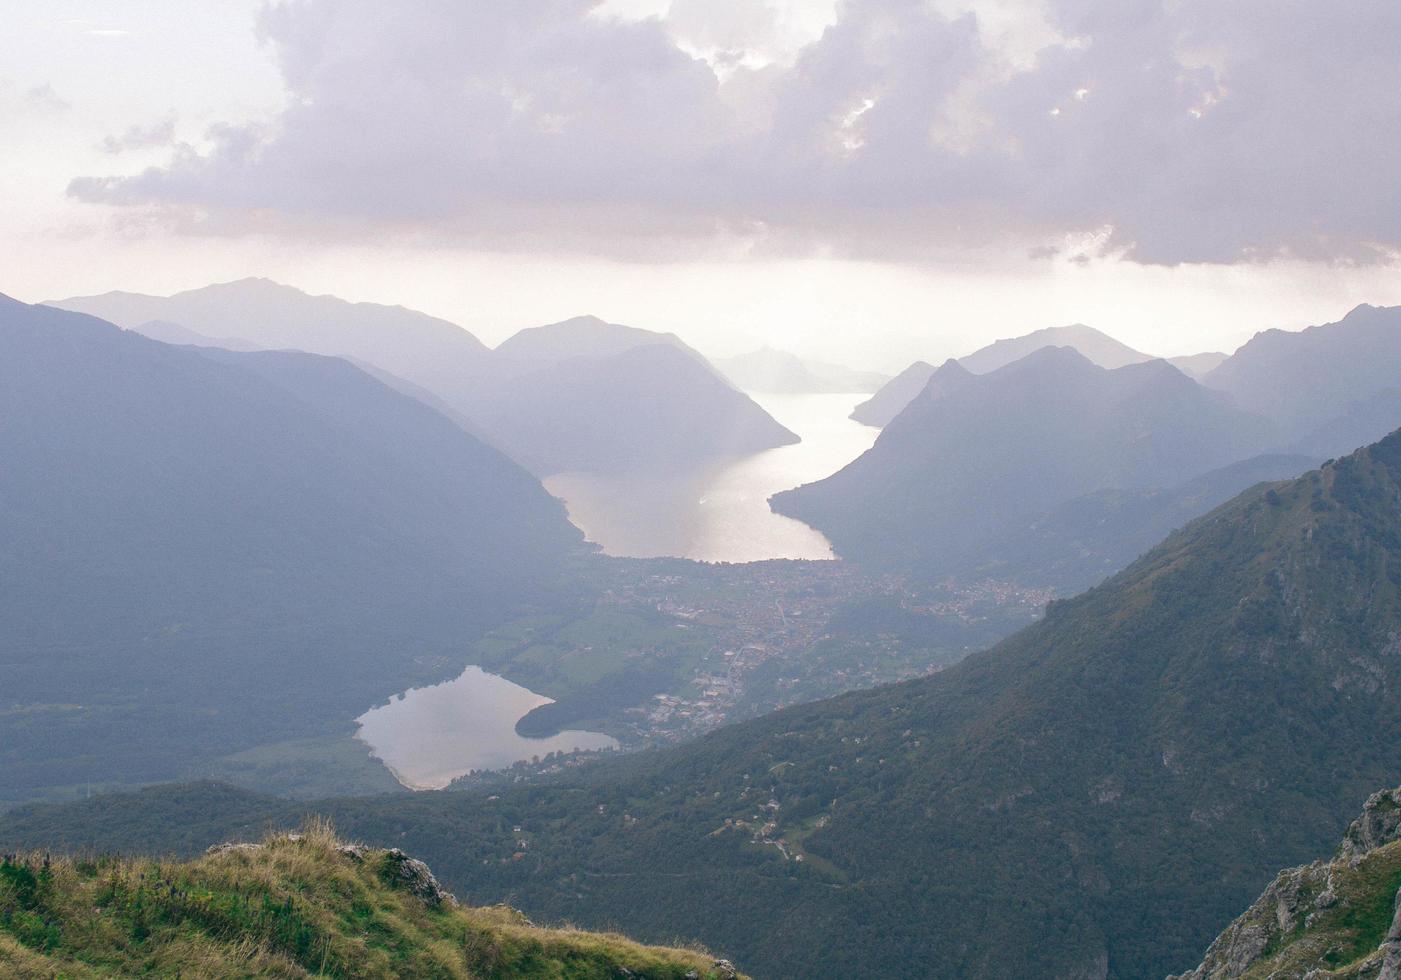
{"x": 667, "y": 490}
{"x": 655, "y": 652}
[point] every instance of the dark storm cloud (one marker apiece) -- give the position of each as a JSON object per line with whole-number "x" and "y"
{"x": 1190, "y": 130}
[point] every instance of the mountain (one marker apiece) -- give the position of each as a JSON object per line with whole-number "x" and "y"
{"x": 779, "y": 372}
{"x": 295, "y": 905}
{"x": 975, "y": 455}
{"x": 202, "y": 550}
{"x": 1334, "y": 918}
{"x": 1099, "y": 348}
{"x": 434, "y": 353}
{"x": 651, "y": 406}
{"x": 585, "y": 394}
{"x": 541, "y": 382}
{"x": 1080, "y": 542}
{"x": 1331, "y": 387}
{"x": 1092, "y": 797}
{"x": 890, "y": 400}
{"x": 1198, "y": 365}
{"x": 1094, "y": 345}
{"x": 581, "y": 337}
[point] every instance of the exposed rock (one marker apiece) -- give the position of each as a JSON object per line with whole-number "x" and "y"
{"x": 1391, "y": 949}
{"x": 232, "y": 847}
{"x": 1304, "y": 899}
{"x": 725, "y": 969}
{"x": 1379, "y": 824}
{"x": 414, "y": 876}
{"x": 356, "y": 852}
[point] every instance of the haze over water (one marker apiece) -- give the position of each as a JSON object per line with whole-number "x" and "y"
{"x": 720, "y": 512}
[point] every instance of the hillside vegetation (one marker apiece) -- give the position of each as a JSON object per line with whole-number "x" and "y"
{"x": 1093, "y": 797}
{"x": 296, "y": 905}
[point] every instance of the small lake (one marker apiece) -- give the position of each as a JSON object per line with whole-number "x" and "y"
{"x": 720, "y": 512}
{"x": 428, "y": 736}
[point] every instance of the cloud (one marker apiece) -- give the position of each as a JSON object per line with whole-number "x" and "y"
{"x": 140, "y": 138}
{"x": 1164, "y": 130}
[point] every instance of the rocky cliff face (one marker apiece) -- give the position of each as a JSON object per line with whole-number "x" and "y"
{"x": 1336, "y": 918}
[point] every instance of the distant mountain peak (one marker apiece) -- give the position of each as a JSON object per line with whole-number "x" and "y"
{"x": 1048, "y": 359}
{"x": 1331, "y": 387}
{"x": 1095, "y": 345}
{"x": 583, "y": 320}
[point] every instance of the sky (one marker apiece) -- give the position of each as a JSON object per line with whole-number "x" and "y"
{"x": 868, "y": 181}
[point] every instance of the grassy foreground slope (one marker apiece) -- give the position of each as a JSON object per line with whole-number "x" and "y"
{"x": 296, "y": 905}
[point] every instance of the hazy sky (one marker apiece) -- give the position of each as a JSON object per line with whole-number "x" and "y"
{"x": 869, "y": 180}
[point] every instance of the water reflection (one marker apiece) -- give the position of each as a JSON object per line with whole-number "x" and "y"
{"x": 720, "y": 511}
{"x": 428, "y": 736}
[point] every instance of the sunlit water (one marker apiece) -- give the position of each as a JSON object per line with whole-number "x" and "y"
{"x": 428, "y": 736}
{"x": 720, "y": 512}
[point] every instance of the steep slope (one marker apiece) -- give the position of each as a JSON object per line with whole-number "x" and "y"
{"x": 1332, "y": 387}
{"x": 295, "y": 905}
{"x": 1333, "y": 918}
{"x": 203, "y": 549}
{"x": 975, "y": 455}
{"x": 1083, "y": 540}
{"x": 647, "y": 407}
{"x": 1091, "y": 798}
{"x": 1096, "y": 347}
{"x": 779, "y": 372}
{"x": 434, "y": 353}
{"x": 892, "y": 397}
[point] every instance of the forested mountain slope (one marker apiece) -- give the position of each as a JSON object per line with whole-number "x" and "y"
{"x": 199, "y": 550}
{"x": 1092, "y": 797}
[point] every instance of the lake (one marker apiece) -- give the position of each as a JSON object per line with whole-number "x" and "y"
{"x": 428, "y": 736}
{"x": 720, "y": 511}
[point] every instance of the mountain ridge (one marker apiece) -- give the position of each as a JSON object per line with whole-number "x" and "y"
{"x": 1096, "y": 346}
{"x": 974, "y": 455}
{"x": 507, "y": 395}
{"x": 170, "y": 514}
{"x": 1331, "y": 387}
